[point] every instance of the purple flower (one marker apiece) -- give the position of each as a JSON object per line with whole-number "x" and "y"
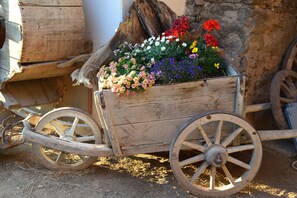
{"x": 193, "y": 56}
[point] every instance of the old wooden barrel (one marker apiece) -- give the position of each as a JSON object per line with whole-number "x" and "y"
{"x": 39, "y": 31}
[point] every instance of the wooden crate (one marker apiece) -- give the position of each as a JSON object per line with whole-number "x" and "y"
{"x": 149, "y": 123}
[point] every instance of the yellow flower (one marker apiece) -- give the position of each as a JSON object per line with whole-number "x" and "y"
{"x": 193, "y": 44}
{"x": 215, "y": 48}
{"x": 217, "y": 65}
{"x": 195, "y": 50}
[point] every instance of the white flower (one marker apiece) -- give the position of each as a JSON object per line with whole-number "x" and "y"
{"x": 163, "y": 48}
{"x": 163, "y": 39}
{"x": 167, "y": 41}
{"x": 157, "y": 44}
{"x": 142, "y": 45}
{"x": 184, "y": 45}
{"x": 170, "y": 37}
{"x": 158, "y": 38}
{"x": 177, "y": 40}
{"x": 149, "y": 47}
{"x": 153, "y": 61}
{"x": 145, "y": 41}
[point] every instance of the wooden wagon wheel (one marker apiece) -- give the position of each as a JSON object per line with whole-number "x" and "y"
{"x": 206, "y": 171}
{"x": 290, "y": 58}
{"x": 70, "y": 124}
{"x": 282, "y": 91}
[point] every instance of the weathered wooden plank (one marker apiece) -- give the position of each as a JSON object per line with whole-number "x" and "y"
{"x": 150, "y": 132}
{"x": 160, "y": 132}
{"x": 30, "y": 93}
{"x": 268, "y": 135}
{"x": 43, "y": 70}
{"x": 149, "y": 148}
{"x": 173, "y": 101}
{"x": 56, "y": 34}
{"x": 60, "y": 3}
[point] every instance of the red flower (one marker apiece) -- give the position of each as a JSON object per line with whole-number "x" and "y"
{"x": 211, "y": 25}
{"x": 211, "y": 40}
{"x": 179, "y": 28}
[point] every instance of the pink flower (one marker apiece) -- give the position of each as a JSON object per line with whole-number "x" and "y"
{"x": 193, "y": 56}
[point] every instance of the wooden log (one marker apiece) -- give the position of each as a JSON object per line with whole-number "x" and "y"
{"x": 67, "y": 146}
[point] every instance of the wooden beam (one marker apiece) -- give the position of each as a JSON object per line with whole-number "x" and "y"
{"x": 267, "y": 135}
{"x": 257, "y": 107}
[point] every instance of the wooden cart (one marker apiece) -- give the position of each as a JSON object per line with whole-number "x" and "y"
{"x": 213, "y": 150}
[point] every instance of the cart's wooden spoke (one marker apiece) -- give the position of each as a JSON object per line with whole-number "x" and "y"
{"x": 228, "y": 174}
{"x": 206, "y": 139}
{"x": 194, "y": 146}
{"x": 219, "y": 132}
{"x": 200, "y": 170}
{"x": 231, "y": 137}
{"x": 235, "y": 149}
{"x": 85, "y": 138}
{"x": 59, "y": 158}
{"x": 239, "y": 163}
{"x": 286, "y": 100}
{"x": 287, "y": 90}
{"x": 291, "y": 85}
{"x": 73, "y": 127}
{"x": 192, "y": 160}
{"x": 56, "y": 127}
{"x": 212, "y": 178}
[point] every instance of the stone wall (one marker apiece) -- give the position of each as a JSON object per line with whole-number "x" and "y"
{"x": 254, "y": 35}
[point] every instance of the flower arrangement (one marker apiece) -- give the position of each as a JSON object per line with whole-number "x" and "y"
{"x": 168, "y": 58}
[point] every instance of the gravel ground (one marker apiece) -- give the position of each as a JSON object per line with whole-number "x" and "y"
{"x": 136, "y": 176}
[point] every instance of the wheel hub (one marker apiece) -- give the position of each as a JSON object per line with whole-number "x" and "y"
{"x": 217, "y": 156}
{"x": 67, "y": 136}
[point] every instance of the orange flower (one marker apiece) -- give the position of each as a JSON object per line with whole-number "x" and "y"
{"x": 211, "y": 25}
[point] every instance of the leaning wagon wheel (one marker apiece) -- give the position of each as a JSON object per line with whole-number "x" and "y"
{"x": 283, "y": 91}
{"x": 290, "y": 58}
{"x": 70, "y": 124}
{"x": 206, "y": 170}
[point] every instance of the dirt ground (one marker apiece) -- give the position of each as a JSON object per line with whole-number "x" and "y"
{"x": 136, "y": 176}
